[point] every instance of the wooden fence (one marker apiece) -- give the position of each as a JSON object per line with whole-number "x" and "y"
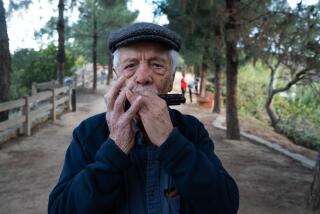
{"x": 82, "y": 78}
{"x": 32, "y": 110}
{"x": 47, "y": 100}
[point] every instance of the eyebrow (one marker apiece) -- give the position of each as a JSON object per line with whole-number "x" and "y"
{"x": 129, "y": 60}
{"x": 161, "y": 59}
{"x": 155, "y": 58}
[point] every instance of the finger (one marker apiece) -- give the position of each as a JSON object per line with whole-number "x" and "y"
{"x": 150, "y": 99}
{"x": 131, "y": 96}
{"x": 119, "y": 103}
{"x": 130, "y": 85}
{"x": 134, "y": 108}
{"x": 149, "y": 94}
{"x": 113, "y": 93}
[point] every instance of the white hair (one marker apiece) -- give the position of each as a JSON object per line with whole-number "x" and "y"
{"x": 173, "y": 57}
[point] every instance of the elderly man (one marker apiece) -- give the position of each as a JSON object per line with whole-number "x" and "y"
{"x": 143, "y": 157}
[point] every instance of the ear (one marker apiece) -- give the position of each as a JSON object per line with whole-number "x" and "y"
{"x": 114, "y": 70}
{"x": 171, "y": 81}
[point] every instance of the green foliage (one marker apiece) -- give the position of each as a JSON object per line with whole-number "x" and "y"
{"x": 252, "y": 81}
{"x": 301, "y": 131}
{"x": 299, "y": 122}
{"x": 36, "y": 66}
{"x": 210, "y": 87}
{"x": 300, "y": 118}
{"x": 80, "y": 61}
{"x": 304, "y": 103}
{"x": 49, "y": 32}
{"x": 15, "y": 5}
{"x": 196, "y": 22}
{"x": 300, "y": 115}
{"x": 109, "y": 16}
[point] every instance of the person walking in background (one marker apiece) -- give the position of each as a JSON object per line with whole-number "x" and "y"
{"x": 190, "y": 86}
{"x": 196, "y": 82}
{"x": 102, "y": 76}
{"x": 183, "y": 85}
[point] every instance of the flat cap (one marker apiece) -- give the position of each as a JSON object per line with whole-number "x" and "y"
{"x": 143, "y": 31}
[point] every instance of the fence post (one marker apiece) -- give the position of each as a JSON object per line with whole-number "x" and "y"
{"x": 83, "y": 77}
{"x": 75, "y": 83}
{"x": 53, "y": 101}
{"x": 74, "y": 100}
{"x": 33, "y": 88}
{"x": 69, "y": 97}
{"x": 27, "y": 124}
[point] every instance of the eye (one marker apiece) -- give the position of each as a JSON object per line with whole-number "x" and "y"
{"x": 129, "y": 66}
{"x": 157, "y": 65}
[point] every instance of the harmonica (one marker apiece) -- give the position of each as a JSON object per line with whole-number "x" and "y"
{"x": 171, "y": 100}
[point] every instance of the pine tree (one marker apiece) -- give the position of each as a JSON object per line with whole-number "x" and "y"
{"x": 5, "y": 57}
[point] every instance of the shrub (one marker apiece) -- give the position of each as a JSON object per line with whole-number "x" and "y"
{"x": 252, "y": 95}
{"x": 299, "y": 122}
{"x": 301, "y": 131}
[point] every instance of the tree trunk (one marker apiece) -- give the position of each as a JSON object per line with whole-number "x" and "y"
{"x": 217, "y": 71}
{"x": 217, "y": 85}
{"x": 94, "y": 51}
{"x": 5, "y": 62}
{"x": 314, "y": 196}
{"x": 231, "y": 36}
{"x": 110, "y": 70}
{"x": 196, "y": 70}
{"x": 274, "y": 118}
{"x": 203, "y": 81}
{"x": 61, "y": 51}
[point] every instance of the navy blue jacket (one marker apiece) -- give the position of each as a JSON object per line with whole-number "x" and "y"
{"x": 92, "y": 179}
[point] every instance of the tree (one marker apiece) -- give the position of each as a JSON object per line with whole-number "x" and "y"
{"x": 97, "y": 19}
{"x": 203, "y": 42}
{"x": 217, "y": 67}
{"x": 5, "y": 62}
{"x": 200, "y": 24}
{"x": 5, "y": 58}
{"x": 36, "y": 66}
{"x": 231, "y": 39}
{"x": 239, "y": 17}
{"x": 61, "y": 40}
{"x": 60, "y": 54}
{"x": 291, "y": 54}
{"x": 192, "y": 21}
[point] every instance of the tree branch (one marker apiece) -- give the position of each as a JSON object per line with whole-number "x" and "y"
{"x": 298, "y": 77}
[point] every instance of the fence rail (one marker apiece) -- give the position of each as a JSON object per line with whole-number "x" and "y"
{"x": 48, "y": 100}
{"x": 81, "y": 78}
{"x": 27, "y": 112}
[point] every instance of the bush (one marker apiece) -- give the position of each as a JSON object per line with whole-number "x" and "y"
{"x": 299, "y": 122}
{"x": 252, "y": 88}
{"x": 210, "y": 87}
{"x": 301, "y": 131}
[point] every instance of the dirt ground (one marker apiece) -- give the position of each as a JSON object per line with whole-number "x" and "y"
{"x": 269, "y": 182}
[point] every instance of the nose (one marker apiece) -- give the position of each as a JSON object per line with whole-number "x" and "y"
{"x": 143, "y": 75}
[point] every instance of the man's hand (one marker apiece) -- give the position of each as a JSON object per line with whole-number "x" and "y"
{"x": 120, "y": 122}
{"x": 154, "y": 115}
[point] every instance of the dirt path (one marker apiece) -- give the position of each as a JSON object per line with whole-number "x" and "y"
{"x": 269, "y": 182}
{"x": 30, "y": 166}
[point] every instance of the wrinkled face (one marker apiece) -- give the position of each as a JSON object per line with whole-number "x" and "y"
{"x": 147, "y": 65}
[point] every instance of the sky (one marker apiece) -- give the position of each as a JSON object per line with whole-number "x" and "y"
{"x": 22, "y": 25}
